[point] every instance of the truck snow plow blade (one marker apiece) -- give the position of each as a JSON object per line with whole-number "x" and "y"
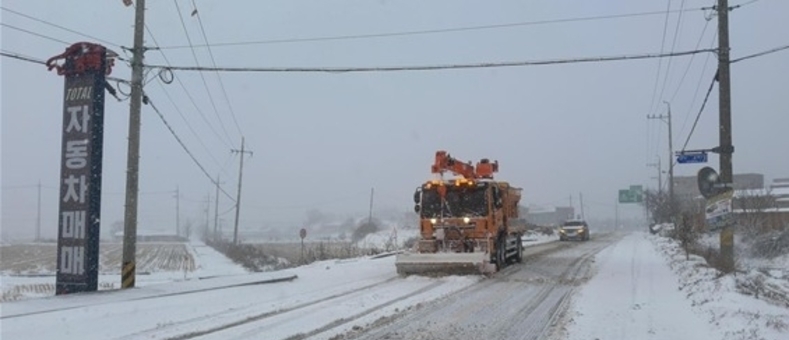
{"x": 444, "y": 264}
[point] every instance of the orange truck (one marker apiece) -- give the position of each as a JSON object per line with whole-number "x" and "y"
{"x": 468, "y": 224}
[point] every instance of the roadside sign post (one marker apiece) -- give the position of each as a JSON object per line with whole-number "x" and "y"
{"x": 635, "y": 194}
{"x": 85, "y": 67}
{"x": 719, "y": 195}
{"x": 691, "y": 157}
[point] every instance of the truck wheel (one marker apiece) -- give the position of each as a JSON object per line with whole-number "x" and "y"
{"x": 501, "y": 254}
{"x": 519, "y": 259}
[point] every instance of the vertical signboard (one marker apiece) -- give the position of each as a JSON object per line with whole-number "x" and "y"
{"x": 84, "y": 67}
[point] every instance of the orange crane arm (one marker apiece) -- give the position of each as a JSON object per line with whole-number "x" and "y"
{"x": 444, "y": 162}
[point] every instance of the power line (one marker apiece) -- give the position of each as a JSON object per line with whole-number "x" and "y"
{"x": 698, "y": 84}
{"x": 59, "y": 26}
{"x": 213, "y": 62}
{"x": 188, "y": 94}
{"x": 22, "y": 57}
{"x": 148, "y": 101}
{"x": 657, "y": 79}
{"x": 690, "y": 63}
{"x": 189, "y": 126}
{"x": 660, "y": 61}
{"x": 33, "y": 33}
{"x": 772, "y": 50}
{"x": 704, "y": 103}
{"x": 431, "y": 31}
{"x": 202, "y": 76}
{"x": 673, "y": 46}
{"x": 431, "y": 67}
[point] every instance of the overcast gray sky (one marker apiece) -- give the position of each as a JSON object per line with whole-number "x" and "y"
{"x": 323, "y": 140}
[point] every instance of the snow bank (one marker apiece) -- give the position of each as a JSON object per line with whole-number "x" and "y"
{"x": 634, "y": 296}
{"x": 764, "y": 314}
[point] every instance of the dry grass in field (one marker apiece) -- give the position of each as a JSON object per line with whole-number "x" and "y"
{"x": 151, "y": 257}
{"x": 26, "y": 259}
{"x": 314, "y": 251}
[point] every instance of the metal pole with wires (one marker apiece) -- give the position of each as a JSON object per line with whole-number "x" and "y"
{"x": 133, "y": 155}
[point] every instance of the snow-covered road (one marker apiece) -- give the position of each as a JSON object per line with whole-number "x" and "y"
{"x": 521, "y": 302}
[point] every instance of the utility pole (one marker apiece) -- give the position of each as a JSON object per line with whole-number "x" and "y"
{"x": 581, "y": 202}
{"x": 238, "y": 194}
{"x": 133, "y": 155}
{"x": 724, "y": 104}
{"x": 670, "y": 163}
{"x": 38, "y": 218}
{"x": 667, "y": 119}
{"x": 659, "y": 174}
{"x": 177, "y": 211}
{"x": 370, "y": 217}
{"x": 207, "y": 213}
{"x": 216, "y": 209}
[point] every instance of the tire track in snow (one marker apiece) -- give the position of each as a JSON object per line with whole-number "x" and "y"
{"x": 521, "y": 304}
{"x": 243, "y": 316}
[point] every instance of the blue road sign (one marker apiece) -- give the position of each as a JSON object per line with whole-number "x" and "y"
{"x": 700, "y": 157}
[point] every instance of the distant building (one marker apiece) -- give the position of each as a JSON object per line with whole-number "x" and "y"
{"x": 780, "y": 190}
{"x": 549, "y": 216}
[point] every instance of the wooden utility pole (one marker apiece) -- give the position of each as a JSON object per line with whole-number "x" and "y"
{"x": 659, "y": 174}
{"x": 724, "y": 104}
{"x": 38, "y": 217}
{"x": 667, "y": 119}
{"x": 216, "y": 209}
{"x": 238, "y": 193}
{"x": 370, "y": 217}
{"x": 133, "y": 154}
{"x": 177, "y": 211}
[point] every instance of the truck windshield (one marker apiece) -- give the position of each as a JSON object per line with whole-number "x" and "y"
{"x": 459, "y": 202}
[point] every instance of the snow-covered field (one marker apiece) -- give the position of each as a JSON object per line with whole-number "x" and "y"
{"x": 326, "y": 298}
{"x": 646, "y": 289}
{"x": 28, "y": 269}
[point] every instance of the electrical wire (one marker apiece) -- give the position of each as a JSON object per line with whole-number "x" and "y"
{"x": 188, "y": 94}
{"x": 189, "y": 126}
{"x": 59, "y": 26}
{"x": 33, "y": 33}
{"x": 22, "y": 57}
{"x": 673, "y": 46}
{"x": 772, "y": 50}
{"x": 704, "y": 103}
{"x": 431, "y": 31}
{"x": 660, "y": 61}
{"x": 432, "y": 67}
{"x": 202, "y": 76}
{"x": 651, "y": 108}
{"x": 147, "y": 100}
{"x": 690, "y": 63}
{"x": 218, "y": 75}
{"x": 699, "y": 83}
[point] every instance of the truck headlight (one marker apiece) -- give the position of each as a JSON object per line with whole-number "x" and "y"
{"x": 433, "y": 221}
{"x": 466, "y": 220}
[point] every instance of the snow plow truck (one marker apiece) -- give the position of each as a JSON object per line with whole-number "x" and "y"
{"x": 468, "y": 224}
